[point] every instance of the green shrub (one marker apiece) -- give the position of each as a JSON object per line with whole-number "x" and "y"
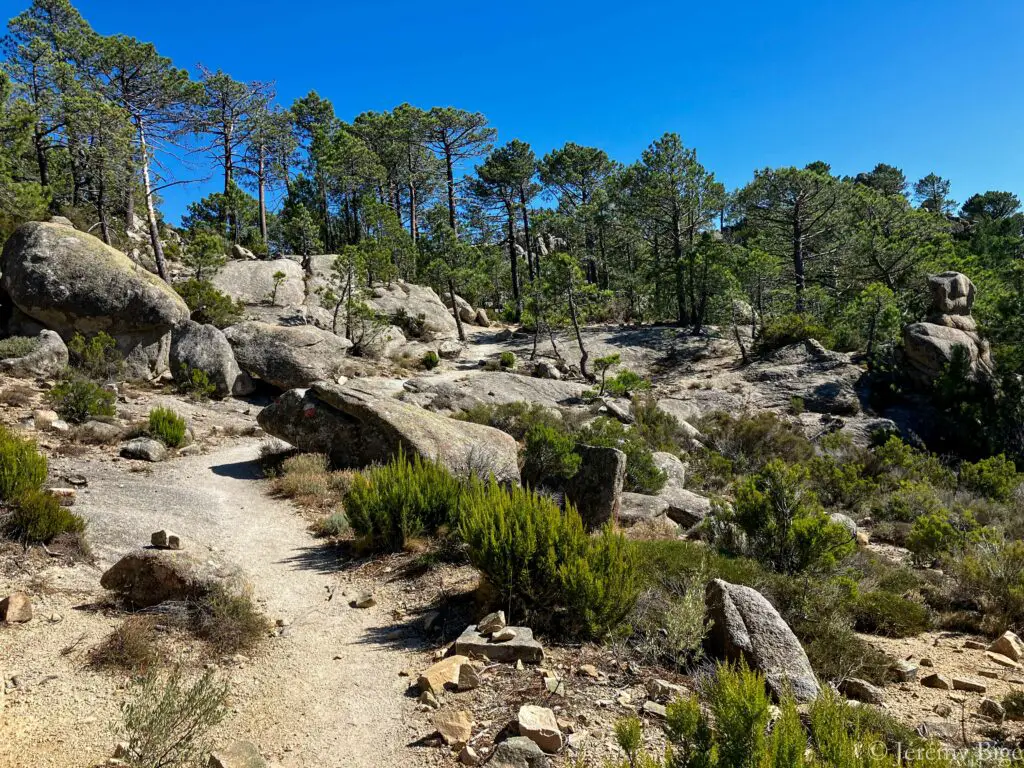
{"x": 542, "y": 563}
{"x": 884, "y": 613}
{"x": 195, "y": 383}
{"x": 165, "y": 721}
{"x": 389, "y": 505}
{"x": 17, "y": 346}
{"x": 412, "y": 327}
{"x": 995, "y": 477}
{"x": 895, "y": 461}
{"x": 625, "y": 383}
{"x": 658, "y": 430}
{"x": 549, "y": 455}
{"x": 78, "y": 399}
{"x": 38, "y": 517}
{"x": 97, "y": 357}
{"x": 431, "y": 360}
{"x": 515, "y": 419}
{"x": 667, "y": 625}
{"x": 909, "y": 501}
{"x": 167, "y": 427}
{"x": 796, "y": 405}
{"x": 208, "y": 305}
{"x": 507, "y": 360}
{"x": 840, "y": 482}
{"x": 1013, "y": 703}
{"x": 791, "y": 329}
{"x": 931, "y": 536}
{"x": 22, "y": 468}
{"x": 991, "y": 573}
{"x": 334, "y": 525}
{"x": 750, "y": 442}
{"x": 786, "y": 527}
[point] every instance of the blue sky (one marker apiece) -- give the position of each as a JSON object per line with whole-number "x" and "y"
{"x": 927, "y": 86}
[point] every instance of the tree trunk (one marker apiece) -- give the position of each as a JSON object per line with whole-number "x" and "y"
{"x": 39, "y": 139}
{"x": 261, "y": 175}
{"x": 584, "y": 355}
{"x": 514, "y": 262}
{"x": 451, "y": 190}
{"x": 414, "y": 230}
{"x": 798, "y": 259}
{"x": 455, "y": 310}
{"x": 101, "y": 208}
{"x": 154, "y": 231}
{"x": 534, "y": 270}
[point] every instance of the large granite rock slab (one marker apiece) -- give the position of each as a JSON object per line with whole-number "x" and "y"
{"x": 358, "y": 426}
{"x": 72, "y": 282}
{"x": 252, "y": 282}
{"x": 197, "y": 347}
{"x": 287, "y": 357}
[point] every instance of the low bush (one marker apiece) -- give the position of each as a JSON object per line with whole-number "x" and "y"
{"x": 22, "y": 467}
{"x": 17, "y": 396}
{"x": 165, "y": 721}
{"x": 17, "y": 346}
{"x": 658, "y": 430}
{"x": 168, "y": 427}
{"x": 1013, "y": 703}
{"x": 931, "y": 536}
{"x": 78, "y": 399}
{"x": 750, "y": 442}
{"x": 507, "y": 360}
{"x": 908, "y": 501}
{"x": 96, "y": 357}
{"x": 431, "y": 360}
{"x": 38, "y": 518}
{"x": 334, "y": 525}
{"x": 879, "y": 612}
{"x": 230, "y": 622}
{"x": 791, "y": 329}
{"x": 208, "y": 305}
{"x": 515, "y": 418}
{"x": 625, "y": 383}
{"x": 132, "y": 646}
{"x": 388, "y": 506}
{"x": 307, "y": 478}
{"x": 196, "y": 385}
{"x": 549, "y": 455}
{"x": 995, "y": 477}
{"x": 543, "y": 565}
{"x": 667, "y": 626}
{"x": 990, "y": 574}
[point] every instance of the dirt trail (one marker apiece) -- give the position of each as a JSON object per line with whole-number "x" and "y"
{"x": 327, "y": 691}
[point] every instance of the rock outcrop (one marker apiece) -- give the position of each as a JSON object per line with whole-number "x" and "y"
{"x": 287, "y": 356}
{"x": 148, "y": 577}
{"x": 47, "y": 360}
{"x": 596, "y": 488}
{"x": 356, "y": 426}
{"x": 70, "y": 282}
{"x": 197, "y": 347}
{"x": 417, "y": 301}
{"x": 928, "y": 347}
{"x": 744, "y": 625}
{"x": 253, "y": 282}
{"x": 491, "y": 388}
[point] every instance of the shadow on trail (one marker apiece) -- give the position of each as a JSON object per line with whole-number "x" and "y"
{"x": 240, "y": 470}
{"x": 323, "y": 558}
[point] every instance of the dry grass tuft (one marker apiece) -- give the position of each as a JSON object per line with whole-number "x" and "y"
{"x": 308, "y": 480}
{"x": 17, "y": 396}
{"x": 132, "y": 646}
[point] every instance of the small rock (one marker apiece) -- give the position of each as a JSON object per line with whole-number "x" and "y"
{"x": 959, "y": 698}
{"x": 992, "y": 674}
{"x": 589, "y": 670}
{"x": 454, "y": 726}
{"x": 144, "y": 449}
{"x": 1010, "y": 645}
{"x": 862, "y": 690}
{"x": 283, "y": 622}
{"x": 430, "y": 700}
{"x": 469, "y": 678}
{"x": 993, "y": 709}
{"x": 974, "y": 645}
{"x": 165, "y": 539}
{"x": 444, "y": 672}
{"x": 492, "y": 622}
{"x": 519, "y": 665}
{"x": 624, "y": 699}
{"x": 662, "y": 690}
{"x": 60, "y": 426}
{"x": 468, "y": 756}
{"x": 942, "y": 709}
{"x": 904, "y": 671}
{"x": 504, "y": 635}
{"x": 430, "y": 620}
{"x": 518, "y": 752}
{"x": 539, "y": 725}
{"x": 938, "y": 681}
{"x": 241, "y": 754}
{"x": 1003, "y": 661}
{"x": 42, "y": 419}
{"x": 16, "y": 608}
{"x": 364, "y": 600}
{"x": 554, "y": 685}
{"x": 969, "y": 684}
{"x": 927, "y": 663}
{"x": 654, "y": 709}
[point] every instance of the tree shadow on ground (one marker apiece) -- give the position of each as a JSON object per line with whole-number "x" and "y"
{"x": 240, "y": 470}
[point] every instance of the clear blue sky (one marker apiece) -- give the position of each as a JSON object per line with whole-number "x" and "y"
{"x": 927, "y": 86}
